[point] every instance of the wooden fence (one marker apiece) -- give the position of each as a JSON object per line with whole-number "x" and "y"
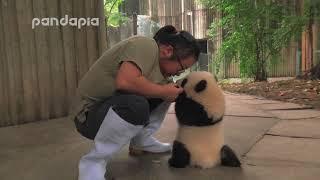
{"x": 285, "y": 66}
{"x": 116, "y": 34}
{"x": 40, "y": 68}
{"x": 195, "y": 18}
{"x": 187, "y": 15}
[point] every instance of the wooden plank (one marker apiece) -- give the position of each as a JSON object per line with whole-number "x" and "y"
{"x": 90, "y": 11}
{"x": 291, "y": 60}
{"x": 43, "y": 60}
{"x": 13, "y": 58}
{"x": 80, "y": 40}
{"x": 4, "y": 81}
{"x": 288, "y": 62}
{"x": 144, "y": 7}
{"x": 29, "y": 61}
{"x": 154, "y": 10}
{"x": 59, "y": 98}
{"x": 102, "y": 34}
{"x": 294, "y": 59}
{"x": 314, "y": 43}
{"x": 69, "y": 52}
{"x": 303, "y": 52}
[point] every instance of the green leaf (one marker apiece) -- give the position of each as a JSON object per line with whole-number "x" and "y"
{"x": 255, "y": 31}
{"x": 111, "y": 11}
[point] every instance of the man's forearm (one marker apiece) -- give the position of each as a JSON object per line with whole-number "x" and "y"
{"x": 142, "y": 86}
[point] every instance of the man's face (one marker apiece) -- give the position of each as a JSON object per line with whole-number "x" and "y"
{"x": 172, "y": 67}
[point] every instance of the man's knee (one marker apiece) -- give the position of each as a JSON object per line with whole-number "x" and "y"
{"x": 133, "y": 109}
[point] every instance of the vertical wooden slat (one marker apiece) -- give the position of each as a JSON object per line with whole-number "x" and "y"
{"x": 91, "y": 32}
{"x": 102, "y": 35}
{"x": 279, "y": 64}
{"x": 12, "y": 49}
{"x": 69, "y": 51}
{"x": 43, "y": 59}
{"x": 80, "y": 40}
{"x": 38, "y": 67}
{"x": 286, "y": 61}
{"x": 294, "y": 50}
{"x": 303, "y": 52}
{"x": 314, "y": 42}
{"x": 282, "y": 64}
{"x": 59, "y": 100}
{"x": 143, "y": 7}
{"x": 29, "y": 60}
{"x": 4, "y": 101}
{"x": 294, "y": 59}
{"x": 233, "y": 69}
{"x": 273, "y": 70}
{"x": 289, "y": 61}
{"x": 229, "y": 70}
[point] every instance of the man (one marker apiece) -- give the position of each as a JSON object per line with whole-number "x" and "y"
{"x": 124, "y": 96}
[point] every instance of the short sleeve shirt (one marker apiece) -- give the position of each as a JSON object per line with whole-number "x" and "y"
{"x": 99, "y": 82}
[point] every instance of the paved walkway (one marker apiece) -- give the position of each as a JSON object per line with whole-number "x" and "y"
{"x": 275, "y": 140}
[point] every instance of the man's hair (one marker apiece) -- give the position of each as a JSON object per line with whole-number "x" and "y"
{"x": 183, "y": 42}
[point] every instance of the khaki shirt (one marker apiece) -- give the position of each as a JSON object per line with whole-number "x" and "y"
{"x": 99, "y": 82}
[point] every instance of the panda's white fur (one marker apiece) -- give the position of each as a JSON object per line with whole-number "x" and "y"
{"x": 203, "y": 143}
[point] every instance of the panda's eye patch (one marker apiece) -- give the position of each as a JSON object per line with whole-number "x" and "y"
{"x": 200, "y": 86}
{"x": 184, "y": 82}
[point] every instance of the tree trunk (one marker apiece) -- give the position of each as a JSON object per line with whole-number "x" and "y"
{"x": 260, "y": 74}
{"x": 310, "y": 34}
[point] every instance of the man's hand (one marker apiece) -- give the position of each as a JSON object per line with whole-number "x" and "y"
{"x": 172, "y": 91}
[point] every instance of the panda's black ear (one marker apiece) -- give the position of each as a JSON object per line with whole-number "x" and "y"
{"x": 184, "y": 82}
{"x": 200, "y": 86}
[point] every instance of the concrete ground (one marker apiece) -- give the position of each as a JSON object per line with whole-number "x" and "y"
{"x": 275, "y": 140}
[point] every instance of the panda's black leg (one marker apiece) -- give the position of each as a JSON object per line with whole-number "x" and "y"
{"x": 180, "y": 157}
{"x": 228, "y": 157}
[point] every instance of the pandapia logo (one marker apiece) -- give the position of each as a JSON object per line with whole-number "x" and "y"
{"x": 65, "y": 21}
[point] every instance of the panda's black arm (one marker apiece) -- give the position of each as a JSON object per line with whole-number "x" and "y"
{"x": 180, "y": 157}
{"x": 192, "y": 113}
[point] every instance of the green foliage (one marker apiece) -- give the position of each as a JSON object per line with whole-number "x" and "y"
{"x": 254, "y": 32}
{"x": 312, "y": 8}
{"x": 111, "y": 11}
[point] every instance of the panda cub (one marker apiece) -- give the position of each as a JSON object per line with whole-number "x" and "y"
{"x": 200, "y": 138}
